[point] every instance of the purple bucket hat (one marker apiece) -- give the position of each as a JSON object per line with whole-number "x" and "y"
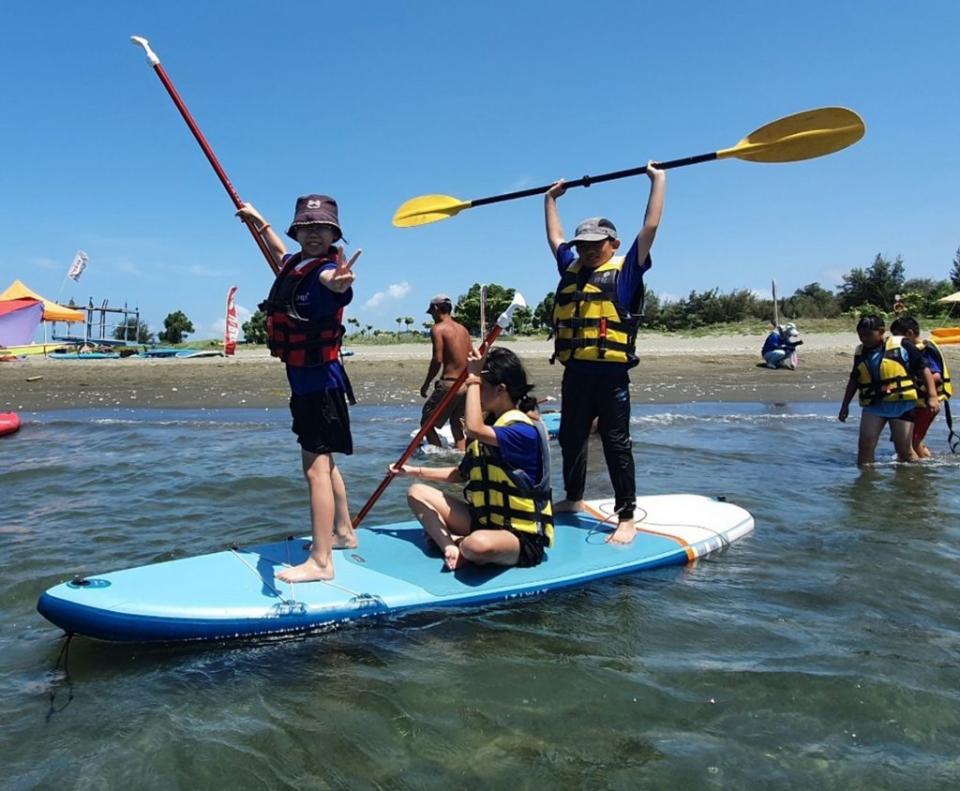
{"x": 315, "y": 210}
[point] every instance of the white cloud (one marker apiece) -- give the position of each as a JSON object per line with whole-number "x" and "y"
{"x": 393, "y": 292}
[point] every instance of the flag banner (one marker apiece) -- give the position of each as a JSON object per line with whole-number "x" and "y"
{"x": 232, "y": 330}
{"x": 78, "y": 265}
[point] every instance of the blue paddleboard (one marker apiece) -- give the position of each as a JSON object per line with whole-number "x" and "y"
{"x": 234, "y": 594}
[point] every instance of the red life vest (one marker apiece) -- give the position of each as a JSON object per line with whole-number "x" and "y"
{"x": 298, "y": 341}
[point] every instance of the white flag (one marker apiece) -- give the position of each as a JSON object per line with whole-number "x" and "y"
{"x": 78, "y": 265}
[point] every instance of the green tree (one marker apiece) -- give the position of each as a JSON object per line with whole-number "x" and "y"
{"x": 399, "y": 320}
{"x": 176, "y": 327}
{"x": 543, "y": 313}
{"x": 408, "y": 320}
{"x": 955, "y": 270}
{"x": 355, "y": 323}
{"x": 878, "y": 284}
{"x": 133, "y": 330}
{"x": 467, "y": 310}
{"x": 255, "y": 330}
{"x": 813, "y": 301}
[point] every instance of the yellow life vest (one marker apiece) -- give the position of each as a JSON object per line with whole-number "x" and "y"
{"x": 944, "y": 387}
{"x": 894, "y": 382}
{"x": 503, "y": 497}
{"x": 589, "y": 323}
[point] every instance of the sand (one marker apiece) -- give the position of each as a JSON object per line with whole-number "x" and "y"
{"x": 673, "y": 369}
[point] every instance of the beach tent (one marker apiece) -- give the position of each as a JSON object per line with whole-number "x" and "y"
{"x": 22, "y": 310}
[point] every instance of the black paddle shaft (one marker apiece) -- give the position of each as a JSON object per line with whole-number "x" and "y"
{"x": 586, "y": 181}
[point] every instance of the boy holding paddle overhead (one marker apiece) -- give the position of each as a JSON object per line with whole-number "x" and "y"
{"x": 595, "y": 318}
{"x": 304, "y": 313}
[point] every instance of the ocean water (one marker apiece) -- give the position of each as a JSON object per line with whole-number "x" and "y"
{"x": 821, "y": 651}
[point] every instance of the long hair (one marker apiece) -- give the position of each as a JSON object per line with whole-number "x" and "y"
{"x": 504, "y": 367}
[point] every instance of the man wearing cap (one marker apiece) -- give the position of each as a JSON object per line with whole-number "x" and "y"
{"x": 451, "y": 345}
{"x": 596, "y": 315}
{"x": 304, "y": 314}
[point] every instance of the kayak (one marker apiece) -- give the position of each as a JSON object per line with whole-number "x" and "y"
{"x": 234, "y": 594}
{"x": 9, "y": 423}
{"x": 946, "y": 335}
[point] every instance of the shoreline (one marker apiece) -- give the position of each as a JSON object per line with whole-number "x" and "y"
{"x": 672, "y": 369}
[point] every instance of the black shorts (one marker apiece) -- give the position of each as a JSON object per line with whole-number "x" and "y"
{"x": 532, "y": 548}
{"x": 321, "y": 422}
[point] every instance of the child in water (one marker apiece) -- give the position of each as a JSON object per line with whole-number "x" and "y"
{"x": 884, "y": 374}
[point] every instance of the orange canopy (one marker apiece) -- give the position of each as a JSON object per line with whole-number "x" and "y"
{"x": 51, "y": 310}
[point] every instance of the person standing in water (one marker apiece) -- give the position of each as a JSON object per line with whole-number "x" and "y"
{"x": 923, "y": 415}
{"x": 304, "y": 313}
{"x": 885, "y": 372}
{"x": 596, "y": 315}
{"x": 451, "y": 345}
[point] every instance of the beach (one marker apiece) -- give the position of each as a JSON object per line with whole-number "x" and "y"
{"x": 673, "y": 369}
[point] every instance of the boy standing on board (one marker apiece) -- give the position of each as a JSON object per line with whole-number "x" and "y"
{"x": 304, "y": 326}
{"x": 595, "y": 318}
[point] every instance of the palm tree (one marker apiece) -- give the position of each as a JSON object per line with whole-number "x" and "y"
{"x": 408, "y": 320}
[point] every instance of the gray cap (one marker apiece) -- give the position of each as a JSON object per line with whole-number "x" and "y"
{"x": 439, "y": 299}
{"x": 594, "y": 229}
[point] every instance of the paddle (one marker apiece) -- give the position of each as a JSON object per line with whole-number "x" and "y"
{"x": 502, "y": 323}
{"x": 154, "y": 61}
{"x": 806, "y": 135}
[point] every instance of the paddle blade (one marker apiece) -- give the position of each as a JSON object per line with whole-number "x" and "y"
{"x": 806, "y": 135}
{"x": 507, "y": 316}
{"x": 428, "y": 208}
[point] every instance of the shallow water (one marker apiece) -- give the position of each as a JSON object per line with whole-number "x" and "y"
{"x": 823, "y": 650}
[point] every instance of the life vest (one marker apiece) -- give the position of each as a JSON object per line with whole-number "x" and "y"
{"x": 944, "y": 387}
{"x": 298, "y": 341}
{"x": 894, "y": 382}
{"x": 589, "y": 323}
{"x": 500, "y": 496}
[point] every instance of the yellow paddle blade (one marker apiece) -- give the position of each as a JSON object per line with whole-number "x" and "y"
{"x": 806, "y": 135}
{"x": 428, "y": 208}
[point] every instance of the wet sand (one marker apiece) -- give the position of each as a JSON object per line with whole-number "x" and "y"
{"x": 673, "y": 369}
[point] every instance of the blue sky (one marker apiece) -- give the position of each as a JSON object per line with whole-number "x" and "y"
{"x": 375, "y": 103}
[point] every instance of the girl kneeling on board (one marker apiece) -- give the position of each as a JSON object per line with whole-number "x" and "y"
{"x": 507, "y": 519}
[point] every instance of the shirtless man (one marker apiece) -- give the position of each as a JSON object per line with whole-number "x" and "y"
{"x": 451, "y": 345}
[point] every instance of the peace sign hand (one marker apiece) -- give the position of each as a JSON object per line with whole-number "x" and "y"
{"x": 343, "y": 275}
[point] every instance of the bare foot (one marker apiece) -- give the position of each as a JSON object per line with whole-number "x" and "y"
{"x": 308, "y": 571}
{"x": 453, "y": 557}
{"x": 568, "y": 506}
{"x": 345, "y": 538}
{"x": 624, "y": 534}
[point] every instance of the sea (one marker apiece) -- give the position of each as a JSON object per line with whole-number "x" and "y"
{"x": 822, "y": 651}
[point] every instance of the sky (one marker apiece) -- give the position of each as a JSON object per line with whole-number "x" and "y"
{"x": 376, "y": 102}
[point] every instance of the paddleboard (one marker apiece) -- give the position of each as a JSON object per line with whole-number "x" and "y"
{"x": 235, "y": 594}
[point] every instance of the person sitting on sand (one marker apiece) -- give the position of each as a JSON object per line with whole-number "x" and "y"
{"x": 884, "y": 374}
{"x": 780, "y": 347}
{"x": 304, "y": 328}
{"x": 451, "y": 345}
{"x": 507, "y": 519}
{"x": 909, "y": 328}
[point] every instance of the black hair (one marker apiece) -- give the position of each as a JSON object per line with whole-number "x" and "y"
{"x": 503, "y": 367}
{"x": 870, "y": 323}
{"x": 905, "y": 324}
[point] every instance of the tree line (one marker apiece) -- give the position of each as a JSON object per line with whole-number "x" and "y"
{"x": 872, "y": 289}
